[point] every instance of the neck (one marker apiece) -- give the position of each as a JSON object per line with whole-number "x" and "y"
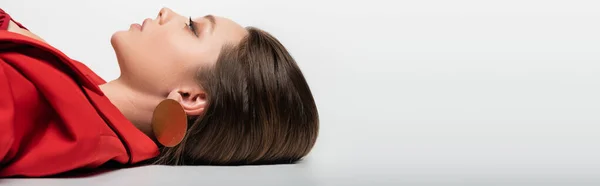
{"x": 135, "y": 105}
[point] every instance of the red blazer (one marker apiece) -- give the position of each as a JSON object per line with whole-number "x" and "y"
{"x": 53, "y": 116}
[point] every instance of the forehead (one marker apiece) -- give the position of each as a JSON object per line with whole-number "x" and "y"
{"x": 227, "y": 30}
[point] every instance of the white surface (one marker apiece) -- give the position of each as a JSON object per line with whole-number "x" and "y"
{"x": 415, "y": 92}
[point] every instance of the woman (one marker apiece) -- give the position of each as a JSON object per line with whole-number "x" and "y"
{"x": 241, "y": 95}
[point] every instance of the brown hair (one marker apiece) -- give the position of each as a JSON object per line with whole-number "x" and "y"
{"x": 260, "y": 109}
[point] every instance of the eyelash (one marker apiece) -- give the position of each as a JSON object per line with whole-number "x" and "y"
{"x": 192, "y": 27}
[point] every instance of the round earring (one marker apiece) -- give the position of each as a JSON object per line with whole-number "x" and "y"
{"x": 169, "y": 123}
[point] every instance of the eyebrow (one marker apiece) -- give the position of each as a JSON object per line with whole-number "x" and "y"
{"x": 212, "y": 20}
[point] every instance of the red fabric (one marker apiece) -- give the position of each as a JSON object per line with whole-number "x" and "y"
{"x": 53, "y": 116}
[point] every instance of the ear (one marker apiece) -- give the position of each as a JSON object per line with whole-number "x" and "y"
{"x": 193, "y": 100}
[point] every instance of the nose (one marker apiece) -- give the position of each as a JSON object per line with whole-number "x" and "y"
{"x": 165, "y": 15}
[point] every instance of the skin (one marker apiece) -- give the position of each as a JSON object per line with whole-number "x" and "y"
{"x": 159, "y": 61}
{"x": 13, "y": 27}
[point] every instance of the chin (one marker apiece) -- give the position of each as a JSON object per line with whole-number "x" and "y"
{"x": 116, "y": 38}
{"x": 121, "y": 42}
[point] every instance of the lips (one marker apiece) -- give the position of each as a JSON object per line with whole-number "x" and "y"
{"x": 136, "y": 26}
{"x": 141, "y": 27}
{"x": 145, "y": 22}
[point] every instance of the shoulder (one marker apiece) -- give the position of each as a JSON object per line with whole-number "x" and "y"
{"x": 13, "y": 27}
{"x": 7, "y": 23}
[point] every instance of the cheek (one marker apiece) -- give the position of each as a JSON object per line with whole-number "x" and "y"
{"x": 152, "y": 50}
{"x": 183, "y": 49}
{"x": 161, "y": 44}
{"x": 166, "y": 54}
{"x": 157, "y": 57}
{"x": 143, "y": 55}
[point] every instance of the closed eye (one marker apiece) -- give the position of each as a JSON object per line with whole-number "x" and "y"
{"x": 192, "y": 26}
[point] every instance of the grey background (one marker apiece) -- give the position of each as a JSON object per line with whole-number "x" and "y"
{"x": 421, "y": 92}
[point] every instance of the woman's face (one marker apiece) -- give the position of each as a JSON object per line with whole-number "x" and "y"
{"x": 165, "y": 53}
